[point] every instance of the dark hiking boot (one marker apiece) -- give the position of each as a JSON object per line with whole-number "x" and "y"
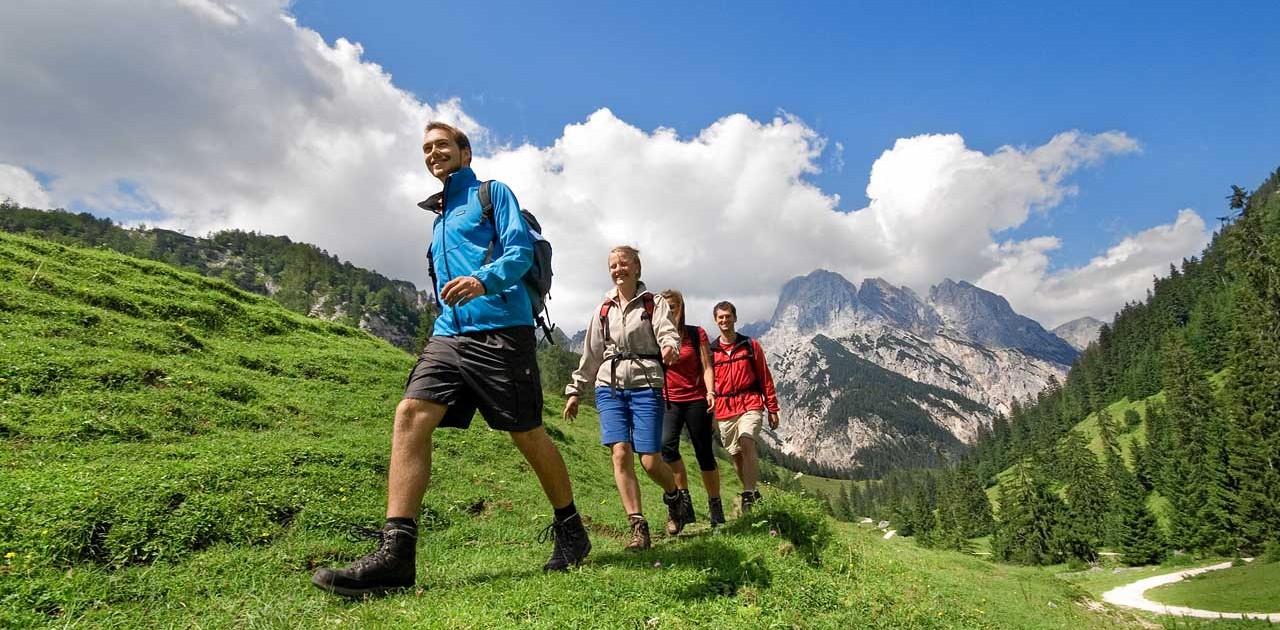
{"x": 570, "y": 544}
{"x": 749, "y": 498}
{"x": 390, "y": 566}
{"x": 715, "y": 511}
{"x": 679, "y": 511}
{"x": 639, "y": 535}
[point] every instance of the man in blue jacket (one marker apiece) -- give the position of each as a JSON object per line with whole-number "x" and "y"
{"x": 481, "y": 356}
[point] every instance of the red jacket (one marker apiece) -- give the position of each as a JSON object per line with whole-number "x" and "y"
{"x": 736, "y": 387}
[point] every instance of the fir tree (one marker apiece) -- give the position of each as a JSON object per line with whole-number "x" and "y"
{"x": 1088, "y": 493}
{"x": 1029, "y": 515}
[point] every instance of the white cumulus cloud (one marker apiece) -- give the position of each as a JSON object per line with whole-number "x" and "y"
{"x": 207, "y": 114}
{"x": 21, "y": 187}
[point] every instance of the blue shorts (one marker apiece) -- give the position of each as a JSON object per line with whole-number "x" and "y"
{"x": 631, "y": 415}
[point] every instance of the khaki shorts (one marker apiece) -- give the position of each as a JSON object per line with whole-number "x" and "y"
{"x": 732, "y": 429}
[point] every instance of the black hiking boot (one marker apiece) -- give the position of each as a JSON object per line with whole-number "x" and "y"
{"x": 679, "y": 511}
{"x": 749, "y": 498}
{"x": 640, "y": 539}
{"x": 570, "y": 544}
{"x": 715, "y": 511}
{"x": 390, "y": 566}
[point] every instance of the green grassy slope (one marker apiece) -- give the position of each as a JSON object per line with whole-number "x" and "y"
{"x": 177, "y": 452}
{"x": 1254, "y": 587}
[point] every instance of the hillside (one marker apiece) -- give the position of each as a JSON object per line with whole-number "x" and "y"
{"x": 180, "y": 452}
{"x": 301, "y": 277}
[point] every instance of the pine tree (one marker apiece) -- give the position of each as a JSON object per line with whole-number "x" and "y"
{"x": 1088, "y": 493}
{"x": 1252, "y": 406}
{"x": 1140, "y": 541}
{"x": 1027, "y": 531}
{"x": 1198, "y": 496}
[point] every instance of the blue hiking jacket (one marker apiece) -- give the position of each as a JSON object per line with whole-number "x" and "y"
{"x": 459, "y": 241}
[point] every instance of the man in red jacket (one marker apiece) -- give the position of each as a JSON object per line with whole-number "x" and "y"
{"x": 743, "y": 393}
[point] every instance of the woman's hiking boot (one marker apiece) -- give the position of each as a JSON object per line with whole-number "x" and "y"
{"x": 390, "y": 566}
{"x": 749, "y": 498}
{"x": 679, "y": 511}
{"x": 715, "y": 511}
{"x": 639, "y": 535}
{"x": 570, "y": 544}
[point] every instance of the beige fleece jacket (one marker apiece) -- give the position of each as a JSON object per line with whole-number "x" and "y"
{"x": 628, "y": 332}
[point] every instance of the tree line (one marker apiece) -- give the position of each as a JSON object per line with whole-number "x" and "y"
{"x": 1195, "y": 370}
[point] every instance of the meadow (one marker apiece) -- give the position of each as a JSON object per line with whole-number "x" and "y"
{"x": 180, "y": 453}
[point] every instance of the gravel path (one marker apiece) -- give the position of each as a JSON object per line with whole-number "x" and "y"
{"x": 1132, "y": 596}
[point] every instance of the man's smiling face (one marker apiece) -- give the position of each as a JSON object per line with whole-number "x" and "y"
{"x": 442, "y": 155}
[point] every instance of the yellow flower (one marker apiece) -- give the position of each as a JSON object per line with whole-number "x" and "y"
{"x": 10, "y": 556}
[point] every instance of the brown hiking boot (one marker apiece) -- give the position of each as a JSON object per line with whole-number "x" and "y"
{"x": 639, "y": 535}
{"x": 390, "y": 566}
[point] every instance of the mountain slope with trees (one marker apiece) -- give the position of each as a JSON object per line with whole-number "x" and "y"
{"x": 301, "y": 277}
{"x": 1165, "y": 434}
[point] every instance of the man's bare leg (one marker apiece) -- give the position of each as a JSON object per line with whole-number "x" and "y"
{"x": 749, "y": 468}
{"x": 547, "y": 464}
{"x": 410, "y": 468}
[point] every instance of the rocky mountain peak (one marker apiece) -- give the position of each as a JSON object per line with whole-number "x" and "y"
{"x": 987, "y": 319}
{"x": 809, "y": 302}
{"x": 1079, "y": 332}
{"x": 899, "y": 305}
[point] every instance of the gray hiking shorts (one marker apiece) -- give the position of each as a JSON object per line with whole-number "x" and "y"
{"x": 492, "y": 371}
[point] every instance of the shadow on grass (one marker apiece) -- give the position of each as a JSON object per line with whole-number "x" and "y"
{"x": 726, "y": 568}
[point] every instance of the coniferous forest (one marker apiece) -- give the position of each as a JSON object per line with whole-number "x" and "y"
{"x": 1165, "y": 436}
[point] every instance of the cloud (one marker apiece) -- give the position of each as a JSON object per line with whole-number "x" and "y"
{"x": 1122, "y": 274}
{"x": 729, "y": 213}
{"x": 22, "y": 188}
{"x": 206, "y": 115}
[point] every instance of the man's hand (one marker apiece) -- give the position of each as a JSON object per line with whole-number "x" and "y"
{"x": 571, "y": 408}
{"x": 670, "y": 355}
{"x": 773, "y": 420}
{"x": 461, "y": 290}
{"x": 711, "y": 402}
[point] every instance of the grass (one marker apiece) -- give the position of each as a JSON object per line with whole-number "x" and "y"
{"x": 1253, "y": 587}
{"x": 177, "y": 452}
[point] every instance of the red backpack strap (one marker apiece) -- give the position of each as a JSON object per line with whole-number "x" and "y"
{"x": 647, "y": 298}
{"x": 604, "y": 318}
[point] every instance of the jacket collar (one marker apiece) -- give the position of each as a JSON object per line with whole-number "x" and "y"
{"x": 612, "y": 295}
{"x": 462, "y": 178}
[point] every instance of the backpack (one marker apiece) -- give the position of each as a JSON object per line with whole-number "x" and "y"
{"x": 751, "y": 360}
{"x": 648, "y": 301}
{"x": 536, "y": 281}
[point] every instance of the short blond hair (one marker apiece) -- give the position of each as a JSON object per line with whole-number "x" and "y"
{"x": 632, "y": 253}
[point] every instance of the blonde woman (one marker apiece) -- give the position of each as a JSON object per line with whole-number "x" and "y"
{"x": 630, "y": 339}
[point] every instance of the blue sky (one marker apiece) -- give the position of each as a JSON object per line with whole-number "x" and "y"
{"x": 1058, "y": 154}
{"x": 1193, "y": 83}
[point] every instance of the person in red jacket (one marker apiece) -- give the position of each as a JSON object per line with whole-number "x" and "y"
{"x": 743, "y": 393}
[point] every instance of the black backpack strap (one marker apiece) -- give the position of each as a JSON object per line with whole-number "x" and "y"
{"x": 486, "y": 201}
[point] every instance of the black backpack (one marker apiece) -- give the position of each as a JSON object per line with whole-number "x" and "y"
{"x": 537, "y": 280}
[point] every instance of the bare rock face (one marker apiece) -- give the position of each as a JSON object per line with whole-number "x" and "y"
{"x": 1079, "y": 332}
{"x": 873, "y": 377}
